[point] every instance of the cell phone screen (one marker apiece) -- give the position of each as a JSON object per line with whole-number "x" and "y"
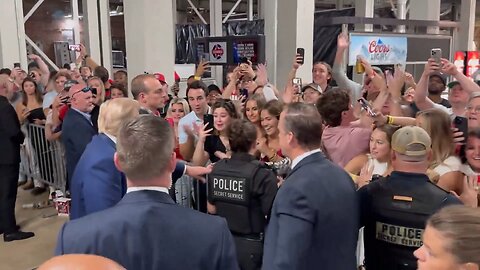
{"x": 208, "y": 119}
{"x": 367, "y": 107}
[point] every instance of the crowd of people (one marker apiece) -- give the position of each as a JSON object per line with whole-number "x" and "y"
{"x": 332, "y": 174}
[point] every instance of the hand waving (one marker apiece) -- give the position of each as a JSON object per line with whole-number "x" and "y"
{"x": 469, "y": 196}
{"x": 342, "y": 41}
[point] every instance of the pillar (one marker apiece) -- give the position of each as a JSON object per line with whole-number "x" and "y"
{"x": 426, "y": 10}
{"x": 366, "y": 9}
{"x": 149, "y": 33}
{"x": 216, "y": 30}
{"x": 106, "y": 35}
{"x": 12, "y": 34}
{"x": 464, "y": 41}
{"x": 91, "y": 34}
{"x": 97, "y": 32}
{"x": 288, "y": 25}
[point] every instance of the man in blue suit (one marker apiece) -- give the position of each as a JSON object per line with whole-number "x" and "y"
{"x": 77, "y": 127}
{"x": 146, "y": 229}
{"x": 96, "y": 183}
{"x": 314, "y": 220}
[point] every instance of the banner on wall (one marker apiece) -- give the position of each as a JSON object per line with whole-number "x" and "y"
{"x": 378, "y": 50}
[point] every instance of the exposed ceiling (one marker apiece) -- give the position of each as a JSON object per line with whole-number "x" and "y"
{"x": 62, "y": 7}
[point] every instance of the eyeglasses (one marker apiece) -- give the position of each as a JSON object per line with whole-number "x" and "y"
{"x": 85, "y": 90}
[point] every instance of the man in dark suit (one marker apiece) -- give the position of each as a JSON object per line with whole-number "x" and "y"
{"x": 77, "y": 127}
{"x": 314, "y": 220}
{"x": 10, "y": 139}
{"x": 146, "y": 229}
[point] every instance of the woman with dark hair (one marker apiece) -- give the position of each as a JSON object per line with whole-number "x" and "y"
{"x": 322, "y": 75}
{"x": 214, "y": 145}
{"x": 451, "y": 240}
{"x": 268, "y": 145}
{"x": 117, "y": 90}
{"x": 378, "y": 161}
{"x": 471, "y": 168}
{"x": 30, "y": 111}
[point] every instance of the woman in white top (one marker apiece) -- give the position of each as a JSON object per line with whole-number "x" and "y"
{"x": 444, "y": 163}
{"x": 375, "y": 163}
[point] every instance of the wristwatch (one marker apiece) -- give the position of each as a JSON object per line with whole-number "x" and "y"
{"x": 86, "y": 56}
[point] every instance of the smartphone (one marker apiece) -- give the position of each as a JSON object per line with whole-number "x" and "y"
{"x": 436, "y": 54}
{"x": 301, "y": 52}
{"x": 243, "y": 60}
{"x": 244, "y": 92}
{"x": 366, "y": 106}
{"x": 16, "y": 65}
{"x": 297, "y": 83}
{"x": 461, "y": 123}
{"x": 75, "y": 47}
{"x": 208, "y": 119}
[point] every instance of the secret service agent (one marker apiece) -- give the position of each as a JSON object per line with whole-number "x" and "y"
{"x": 242, "y": 190}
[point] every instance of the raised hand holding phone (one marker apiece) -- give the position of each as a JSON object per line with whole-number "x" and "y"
{"x": 300, "y": 56}
{"x": 367, "y": 107}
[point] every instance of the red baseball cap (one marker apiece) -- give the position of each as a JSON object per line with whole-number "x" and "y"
{"x": 176, "y": 76}
{"x": 160, "y": 77}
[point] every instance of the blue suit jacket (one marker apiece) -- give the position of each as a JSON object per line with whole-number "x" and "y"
{"x": 96, "y": 183}
{"x": 147, "y": 230}
{"x": 77, "y": 132}
{"x": 314, "y": 220}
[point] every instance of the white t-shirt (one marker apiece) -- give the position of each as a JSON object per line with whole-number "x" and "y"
{"x": 49, "y": 98}
{"x": 450, "y": 164}
{"x": 188, "y": 120}
{"x": 379, "y": 168}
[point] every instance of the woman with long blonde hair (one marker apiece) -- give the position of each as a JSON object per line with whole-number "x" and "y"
{"x": 443, "y": 161}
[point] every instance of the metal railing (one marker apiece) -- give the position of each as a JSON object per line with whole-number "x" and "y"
{"x": 43, "y": 160}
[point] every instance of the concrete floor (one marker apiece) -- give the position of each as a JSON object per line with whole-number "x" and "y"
{"x": 30, "y": 253}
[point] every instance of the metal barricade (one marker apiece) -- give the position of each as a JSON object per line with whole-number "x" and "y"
{"x": 42, "y": 159}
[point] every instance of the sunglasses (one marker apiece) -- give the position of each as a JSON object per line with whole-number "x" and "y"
{"x": 85, "y": 90}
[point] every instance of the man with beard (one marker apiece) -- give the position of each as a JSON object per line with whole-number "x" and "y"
{"x": 436, "y": 86}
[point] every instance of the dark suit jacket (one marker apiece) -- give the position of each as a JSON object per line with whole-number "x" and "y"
{"x": 314, "y": 220}
{"x": 77, "y": 132}
{"x": 10, "y": 134}
{"x": 147, "y": 230}
{"x": 96, "y": 183}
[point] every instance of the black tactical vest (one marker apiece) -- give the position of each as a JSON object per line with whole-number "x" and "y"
{"x": 230, "y": 189}
{"x": 397, "y": 217}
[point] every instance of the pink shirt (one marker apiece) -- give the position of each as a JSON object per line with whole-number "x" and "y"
{"x": 344, "y": 143}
